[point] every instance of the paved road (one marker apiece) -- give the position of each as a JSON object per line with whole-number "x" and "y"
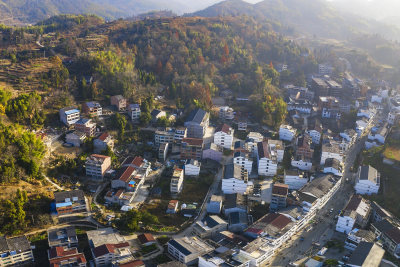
{"x": 295, "y": 249}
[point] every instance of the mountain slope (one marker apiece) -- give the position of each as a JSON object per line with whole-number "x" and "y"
{"x": 314, "y": 17}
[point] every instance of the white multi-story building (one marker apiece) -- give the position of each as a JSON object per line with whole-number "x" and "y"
{"x": 356, "y": 236}
{"x": 97, "y": 165}
{"x": 392, "y": 117}
{"x": 357, "y": 212}
{"x": 187, "y": 249}
{"x": 350, "y": 136}
{"x": 164, "y": 136}
{"x": 267, "y": 159}
{"x": 333, "y": 166}
{"x": 107, "y": 254}
{"x": 192, "y": 167}
{"x": 380, "y": 135}
{"x": 278, "y": 147}
{"x": 331, "y": 149}
{"x": 15, "y": 251}
{"x": 224, "y": 136}
{"x": 315, "y": 136}
{"x": 70, "y": 115}
{"x": 302, "y": 163}
{"x": 244, "y": 160}
{"x": 368, "y": 181}
{"x": 134, "y": 112}
{"x": 325, "y": 69}
{"x": 180, "y": 133}
{"x": 226, "y": 113}
{"x": 295, "y": 179}
{"x": 235, "y": 179}
{"x": 176, "y": 185}
{"x": 253, "y": 138}
{"x": 287, "y": 133}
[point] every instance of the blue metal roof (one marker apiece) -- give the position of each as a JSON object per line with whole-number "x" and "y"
{"x": 179, "y": 247}
{"x": 71, "y": 111}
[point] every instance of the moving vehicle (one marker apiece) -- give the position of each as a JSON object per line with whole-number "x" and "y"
{"x": 322, "y": 251}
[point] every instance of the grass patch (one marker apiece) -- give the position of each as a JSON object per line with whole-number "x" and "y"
{"x": 392, "y": 152}
{"x": 148, "y": 249}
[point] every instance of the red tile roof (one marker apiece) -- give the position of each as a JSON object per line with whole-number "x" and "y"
{"x": 79, "y": 258}
{"x": 146, "y": 238}
{"x": 193, "y": 141}
{"x": 134, "y": 263}
{"x": 103, "y": 136}
{"x": 108, "y": 248}
{"x": 354, "y": 203}
{"x": 223, "y": 128}
{"x": 125, "y": 173}
{"x": 278, "y": 220}
{"x": 138, "y": 161}
{"x": 57, "y": 252}
{"x": 262, "y": 148}
{"x": 172, "y": 204}
{"x": 280, "y": 189}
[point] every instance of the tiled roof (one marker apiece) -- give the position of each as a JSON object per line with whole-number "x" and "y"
{"x": 108, "y": 248}
{"x": 193, "y": 141}
{"x": 134, "y": 263}
{"x": 354, "y": 203}
{"x": 263, "y": 149}
{"x": 58, "y": 262}
{"x": 280, "y": 189}
{"x": 146, "y": 238}
{"x": 394, "y": 234}
{"x": 224, "y": 128}
{"x": 103, "y": 136}
{"x": 277, "y": 220}
{"x": 196, "y": 116}
{"x": 125, "y": 173}
{"x": 57, "y": 252}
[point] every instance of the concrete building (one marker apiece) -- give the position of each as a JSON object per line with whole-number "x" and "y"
{"x": 62, "y": 256}
{"x": 197, "y": 123}
{"x": 213, "y": 152}
{"x": 92, "y": 108}
{"x": 235, "y": 179}
{"x": 119, "y": 102}
{"x": 303, "y": 146}
{"x": 302, "y": 163}
{"x": 188, "y": 249}
{"x": 279, "y": 196}
{"x": 224, "y": 136}
{"x": 368, "y": 181}
{"x": 176, "y": 185}
{"x": 331, "y": 149}
{"x": 215, "y": 204}
{"x": 295, "y": 179}
{"x": 157, "y": 114}
{"x": 97, "y": 165}
{"x": 15, "y": 251}
{"x": 163, "y": 151}
{"x": 191, "y": 148}
{"x": 267, "y": 159}
{"x": 62, "y": 237}
{"x": 102, "y": 142}
{"x": 107, "y": 254}
{"x": 67, "y": 202}
{"x": 391, "y": 241}
{"x": 234, "y": 203}
{"x": 253, "y": 138}
{"x": 75, "y": 138}
{"x": 226, "y": 113}
{"x": 244, "y": 160}
{"x": 238, "y": 221}
{"x": 146, "y": 239}
{"x": 356, "y": 236}
{"x": 134, "y": 112}
{"x": 333, "y": 166}
{"x": 192, "y": 167}
{"x": 120, "y": 197}
{"x": 86, "y": 126}
{"x": 210, "y": 226}
{"x": 287, "y": 133}
{"x": 315, "y": 133}
{"x": 366, "y": 254}
{"x": 357, "y": 212}
{"x": 69, "y": 115}
{"x": 164, "y": 136}
{"x": 277, "y": 147}
{"x": 180, "y": 133}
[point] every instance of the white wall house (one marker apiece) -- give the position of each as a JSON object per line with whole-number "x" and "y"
{"x": 368, "y": 181}
{"x": 346, "y": 222}
{"x": 226, "y": 113}
{"x": 176, "y": 184}
{"x": 331, "y": 150}
{"x": 134, "y": 112}
{"x": 357, "y": 211}
{"x": 244, "y": 160}
{"x": 277, "y": 146}
{"x": 224, "y": 136}
{"x": 235, "y": 179}
{"x": 302, "y": 164}
{"x": 295, "y": 179}
{"x": 251, "y": 142}
{"x": 333, "y": 166}
{"x": 192, "y": 167}
{"x": 287, "y": 133}
{"x": 380, "y": 135}
{"x": 315, "y": 136}
{"x": 267, "y": 159}
{"x": 70, "y": 115}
